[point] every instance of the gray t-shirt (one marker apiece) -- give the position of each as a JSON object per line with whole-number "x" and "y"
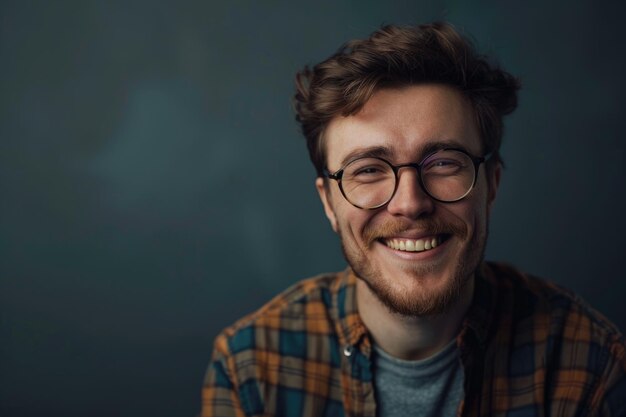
{"x": 428, "y": 387}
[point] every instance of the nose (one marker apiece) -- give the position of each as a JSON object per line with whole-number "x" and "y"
{"x": 410, "y": 200}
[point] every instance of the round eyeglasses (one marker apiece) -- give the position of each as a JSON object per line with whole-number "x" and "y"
{"x": 447, "y": 175}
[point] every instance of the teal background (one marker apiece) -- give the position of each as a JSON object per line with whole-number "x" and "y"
{"x": 155, "y": 187}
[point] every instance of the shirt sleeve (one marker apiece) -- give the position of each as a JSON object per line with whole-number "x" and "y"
{"x": 220, "y": 397}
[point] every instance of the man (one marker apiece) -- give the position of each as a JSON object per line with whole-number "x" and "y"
{"x": 404, "y": 130}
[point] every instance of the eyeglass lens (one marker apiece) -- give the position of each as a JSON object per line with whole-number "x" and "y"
{"x": 446, "y": 175}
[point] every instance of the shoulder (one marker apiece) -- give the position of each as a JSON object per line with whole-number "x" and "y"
{"x": 283, "y": 351}
{"x": 305, "y": 307}
{"x": 526, "y": 296}
{"x": 546, "y": 327}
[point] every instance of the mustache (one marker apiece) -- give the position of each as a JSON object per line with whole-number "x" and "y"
{"x": 427, "y": 226}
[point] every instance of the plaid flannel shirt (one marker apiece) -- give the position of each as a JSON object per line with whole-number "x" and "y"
{"x": 528, "y": 348}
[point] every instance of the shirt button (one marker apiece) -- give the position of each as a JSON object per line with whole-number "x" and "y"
{"x": 348, "y": 349}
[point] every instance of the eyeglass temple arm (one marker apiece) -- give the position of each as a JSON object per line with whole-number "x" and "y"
{"x": 336, "y": 176}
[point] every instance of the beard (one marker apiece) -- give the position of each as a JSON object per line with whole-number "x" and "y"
{"x": 427, "y": 301}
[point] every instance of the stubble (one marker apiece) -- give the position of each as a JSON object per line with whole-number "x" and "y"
{"x": 427, "y": 302}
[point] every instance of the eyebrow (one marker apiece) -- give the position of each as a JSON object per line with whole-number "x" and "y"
{"x": 432, "y": 147}
{"x": 385, "y": 152}
{"x": 369, "y": 152}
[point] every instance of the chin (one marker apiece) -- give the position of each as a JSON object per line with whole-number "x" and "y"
{"x": 418, "y": 285}
{"x": 418, "y": 295}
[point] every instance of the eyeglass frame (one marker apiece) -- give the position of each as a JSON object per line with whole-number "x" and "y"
{"x": 476, "y": 160}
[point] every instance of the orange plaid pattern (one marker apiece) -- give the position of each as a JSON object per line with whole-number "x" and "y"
{"x": 528, "y": 348}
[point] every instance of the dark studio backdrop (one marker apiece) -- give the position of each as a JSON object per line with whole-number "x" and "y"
{"x": 155, "y": 187}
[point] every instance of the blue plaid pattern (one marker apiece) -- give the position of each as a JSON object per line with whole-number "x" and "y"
{"x": 528, "y": 348}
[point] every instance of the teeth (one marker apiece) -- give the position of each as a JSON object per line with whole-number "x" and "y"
{"x": 418, "y": 245}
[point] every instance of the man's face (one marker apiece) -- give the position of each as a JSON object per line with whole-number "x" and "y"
{"x": 403, "y": 124}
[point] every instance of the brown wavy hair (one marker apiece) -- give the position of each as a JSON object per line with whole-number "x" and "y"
{"x": 396, "y": 56}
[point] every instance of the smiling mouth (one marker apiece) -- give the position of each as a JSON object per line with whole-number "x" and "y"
{"x": 415, "y": 245}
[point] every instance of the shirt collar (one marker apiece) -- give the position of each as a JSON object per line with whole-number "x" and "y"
{"x": 480, "y": 316}
{"x": 349, "y": 326}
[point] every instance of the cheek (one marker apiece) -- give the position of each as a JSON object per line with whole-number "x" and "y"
{"x": 473, "y": 213}
{"x": 478, "y": 204}
{"x": 480, "y": 217}
{"x": 352, "y": 224}
{"x": 351, "y": 221}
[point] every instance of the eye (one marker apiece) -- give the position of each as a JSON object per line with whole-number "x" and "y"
{"x": 443, "y": 166}
{"x": 367, "y": 170}
{"x": 371, "y": 170}
{"x": 446, "y": 163}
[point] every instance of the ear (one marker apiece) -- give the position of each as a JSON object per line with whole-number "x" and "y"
{"x": 493, "y": 180}
{"x": 324, "y": 194}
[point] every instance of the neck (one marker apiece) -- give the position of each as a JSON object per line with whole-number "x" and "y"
{"x": 411, "y": 338}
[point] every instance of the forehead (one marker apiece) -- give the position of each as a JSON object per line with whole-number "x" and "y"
{"x": 404, "y": 122}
